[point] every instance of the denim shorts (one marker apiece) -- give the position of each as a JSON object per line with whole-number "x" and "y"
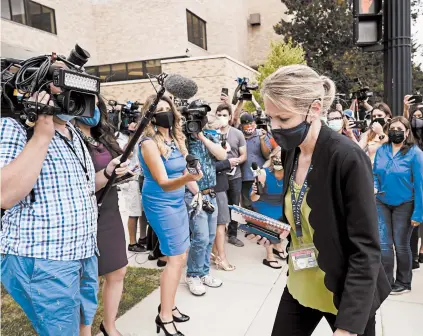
{"x": 56, "y": 296}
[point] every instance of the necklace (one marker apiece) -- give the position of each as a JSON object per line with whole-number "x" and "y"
{"x": 170, "y": 144}
{"x": 86, "y": 138}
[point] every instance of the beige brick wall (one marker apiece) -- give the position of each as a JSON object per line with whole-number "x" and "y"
{"x": 210, "y": 74}
{"x": 74, "y": 23}
{"x": 259, "y": 37}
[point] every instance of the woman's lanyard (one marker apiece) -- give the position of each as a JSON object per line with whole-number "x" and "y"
{"x": 296, "y": 203}
{"x": 84, "y": 166}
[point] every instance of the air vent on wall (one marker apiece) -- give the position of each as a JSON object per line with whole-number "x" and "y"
{"x": 255, "y": 19}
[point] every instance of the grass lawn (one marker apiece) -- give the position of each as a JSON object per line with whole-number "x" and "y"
{"x": 139, "y": 282}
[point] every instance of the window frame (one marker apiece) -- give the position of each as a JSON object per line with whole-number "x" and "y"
{"x": 27, "y": 15}
{"x": 201, "y": 23}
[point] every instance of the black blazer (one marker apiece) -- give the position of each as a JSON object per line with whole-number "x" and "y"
{"x": 344, "y": 218}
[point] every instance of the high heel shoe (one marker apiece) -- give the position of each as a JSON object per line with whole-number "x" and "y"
{"x": 213, "y": 258}
{"x": 103, "y": 330}
{"x": 161, "y": 325}
{"x": 224, "y": 266}
{"x": 177, "y": 319}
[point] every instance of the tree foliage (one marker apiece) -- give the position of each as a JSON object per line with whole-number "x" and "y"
{"x": 324, "y": 29}
{"x": 281, "y": 54}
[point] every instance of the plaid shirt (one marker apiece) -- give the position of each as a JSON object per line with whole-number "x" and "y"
{"x": 62, "y": 222}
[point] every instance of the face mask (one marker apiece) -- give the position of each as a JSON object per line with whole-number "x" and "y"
{"x": 416, "y": 123}
{"x": 396, "y": 137}
{"x": 381, "y": 121}
{"x": 248, "y": 129}
{"x": 336, "y": 125}
{"x": 290, "y": 138}
{"x": 65, "y": 117}
{"x": 91, "y": 121}
{"x": 224, "y": 121}
{"x": 163, "y": 119}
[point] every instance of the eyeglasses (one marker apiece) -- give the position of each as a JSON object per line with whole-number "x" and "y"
{"x": 337, "y": 118}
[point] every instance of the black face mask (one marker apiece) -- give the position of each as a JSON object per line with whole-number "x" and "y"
{"x": 290, "y": 138}
{"x": 163, "y": 119}
{"x": 416, "y": 123}
{"x": 396, "y": 137}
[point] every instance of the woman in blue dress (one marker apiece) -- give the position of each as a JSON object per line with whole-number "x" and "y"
{"x": 162, "y": 155}
{"x": 270, "y": 202}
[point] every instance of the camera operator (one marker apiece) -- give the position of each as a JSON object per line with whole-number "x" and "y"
{"x": 237, "y": 155}
{"x": 48, "y": 187}
{"x": 203, "y": 221}
{"x": 234, "y": 121}
{"x": 258, "y": 149}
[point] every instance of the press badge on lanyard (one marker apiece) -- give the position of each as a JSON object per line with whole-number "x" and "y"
{"x": 305, "y": 256}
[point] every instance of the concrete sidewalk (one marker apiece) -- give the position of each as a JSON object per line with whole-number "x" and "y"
{"x": 247, "y": 302}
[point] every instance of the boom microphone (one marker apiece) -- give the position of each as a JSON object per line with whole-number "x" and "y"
{"x": 180, "y": 87}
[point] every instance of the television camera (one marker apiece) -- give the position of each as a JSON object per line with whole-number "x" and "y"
{"x": 20, "y": 79}
{"x": 243, "y": 90}
{"x": 123, "y": 117}
{"x": 362, "y": 93}
{"x": 194, "y": 116}
{"x": 261, "y": 119}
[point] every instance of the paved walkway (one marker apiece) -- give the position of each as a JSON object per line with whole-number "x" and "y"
{"x": 246, "y": 304}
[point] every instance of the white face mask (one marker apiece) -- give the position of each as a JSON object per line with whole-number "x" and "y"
{"x": 224, "y": 121}
{"x": 336, "y": 125}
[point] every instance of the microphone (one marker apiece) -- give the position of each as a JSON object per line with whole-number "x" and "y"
{"x": 256, "y": 171}
{"x": 180, "y": 87}
{"x": 193, "y": 165}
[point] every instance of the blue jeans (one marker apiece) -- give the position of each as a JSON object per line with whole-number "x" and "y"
{"x": 56, "y": 296}
{"x": 203, "y": 232}
{"x": 395, "y": 230}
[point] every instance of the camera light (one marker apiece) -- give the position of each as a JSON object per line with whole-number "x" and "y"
{"x": 80, "y": 82}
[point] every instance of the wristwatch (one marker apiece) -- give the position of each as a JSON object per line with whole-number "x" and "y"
{"x": 106, "y": 174}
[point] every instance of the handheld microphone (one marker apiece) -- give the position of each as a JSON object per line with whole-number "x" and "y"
{"x": 256, "y": 171}
{"x": 180, "y": 87}
{"x": 193, "y": 165}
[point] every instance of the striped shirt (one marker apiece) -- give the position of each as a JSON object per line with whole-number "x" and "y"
{"x": 62, "y": 222}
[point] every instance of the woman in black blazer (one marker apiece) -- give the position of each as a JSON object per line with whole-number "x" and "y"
{"x": 335, "y": 268}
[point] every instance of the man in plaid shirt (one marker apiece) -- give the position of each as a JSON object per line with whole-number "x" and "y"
{"x": 48, "y": 241}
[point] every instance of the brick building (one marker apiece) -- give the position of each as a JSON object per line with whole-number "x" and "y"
{"x": 211, "y": 41}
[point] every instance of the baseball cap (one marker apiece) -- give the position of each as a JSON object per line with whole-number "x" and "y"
{"x": 349, "y": 114}
{"x": 246, "y": 118}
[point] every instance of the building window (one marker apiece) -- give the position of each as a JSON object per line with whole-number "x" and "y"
{"x": 29, "y": 13}
{"x": 196, "y": 30}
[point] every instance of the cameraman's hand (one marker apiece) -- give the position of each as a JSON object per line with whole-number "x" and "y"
{"x": 224, "y": 98}
{"x": 194, "y": 177}
{"x": 234, "y": 162}
{"x": 132, "y": 127}
{"x": 263, "y": 134}
{"x": 122, "y": 170}
{"x": 44, "y": 126}
{"x": 377, "y": 128}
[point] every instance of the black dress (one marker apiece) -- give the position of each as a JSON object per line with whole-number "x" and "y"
{"x": 110, "y": 232}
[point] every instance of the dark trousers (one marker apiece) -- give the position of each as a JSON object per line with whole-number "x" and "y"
{"x": 414, "y": 243}
{"x": 234, "y": 196}
{"x": 245, "y": 194}
{"x": 395, "y": 229}
{"x": 293, "y": 319}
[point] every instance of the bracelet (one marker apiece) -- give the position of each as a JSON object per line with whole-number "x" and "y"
{"x": 106, "y": 174}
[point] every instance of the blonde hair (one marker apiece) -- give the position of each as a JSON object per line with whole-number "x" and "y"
{"x": 277, "y": 152}
{"x": 299, "y": 85}
{"x": 175, "y": 132}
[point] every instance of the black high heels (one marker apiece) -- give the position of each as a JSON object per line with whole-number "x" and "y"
{"x": 178, "y": 319}
{"x": 161, "y": 325}
{"x": 103, "y": 330}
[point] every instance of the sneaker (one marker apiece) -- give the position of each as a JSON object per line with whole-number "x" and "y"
{"x": 195, "y": 286}
{"x": 235, "y": 241}
{"x": 142, "y": 241}
{"x": 211, "y": 281}
{"x": 399, "y": 289}
{"x": 416, "y": 265}
{"x": 136, "y": 248}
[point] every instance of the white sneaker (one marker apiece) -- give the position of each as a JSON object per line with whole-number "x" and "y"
{"x": 211, "y": 281}
{"x": 195, "y": 286}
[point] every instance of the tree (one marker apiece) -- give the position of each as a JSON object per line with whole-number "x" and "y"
{"x": 324, "y": 29}
{"x": 281, "y": 54}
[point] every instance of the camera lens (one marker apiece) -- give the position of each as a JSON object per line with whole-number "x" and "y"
{"x": 193, "y": 127}
{"x": 78, "y": 56}
{"x": 76, "y": 104}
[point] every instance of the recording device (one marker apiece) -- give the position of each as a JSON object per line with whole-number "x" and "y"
{"x": 418, "y": 99}
{"x": 363, "y": 92}
{"x": 20, "y": 79}
{"x": 129, "y": 115}
{"x": 359, "y": 124}
{"x": 208, "y": 207}
{"x": 243, "y": 90}
{"x": 180, "y": 87}
{"x": 339, "y": 97}
{"x": 195, "y": 116}
{"x": 261, "y": 119}
{"x": 256, "y": 172}
{"x": 193, "y": 165}
{"x": 225, "y": 92}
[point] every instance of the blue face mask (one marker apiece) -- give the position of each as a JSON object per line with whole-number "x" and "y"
{"x": 94, "y": 120}
{"x": 65, "y": 117}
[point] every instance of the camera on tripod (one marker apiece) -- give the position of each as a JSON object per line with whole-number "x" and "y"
{"x": 363, "y": 92}
{"x": 195, "y": 116}
{"x": 243, "y": 90}
{"x": 20, "y": 79}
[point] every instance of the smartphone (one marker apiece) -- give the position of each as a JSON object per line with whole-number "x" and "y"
{"x": 360, "y": 124}
{"x": 418, "y": 99}
{"x": 225, "y": 92}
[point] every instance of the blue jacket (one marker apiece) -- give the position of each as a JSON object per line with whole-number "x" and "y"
{"x": 399, "y": 179}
